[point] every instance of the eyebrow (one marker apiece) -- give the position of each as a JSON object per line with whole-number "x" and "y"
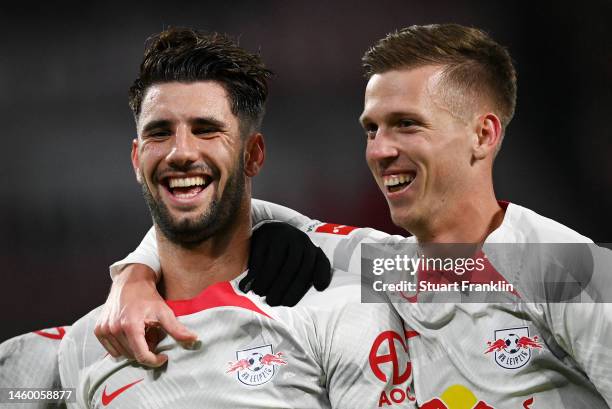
{"x": 207, "y": 121}
{"x": 363, "y": 120}
{"x": 197, "y": 121}
{"x": 156, "y": 124}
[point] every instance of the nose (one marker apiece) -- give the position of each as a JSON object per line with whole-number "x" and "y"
{"x": 381, "y": 148}
{"x": 184, "y": 151}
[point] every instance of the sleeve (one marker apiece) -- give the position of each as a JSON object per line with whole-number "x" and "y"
{"x": 340, "y": 243}
{"x": 584, "y": 331}
{"x": 145, "y": 253}
{"x": 78, "y": 352}
{"x": 365, "y": 358}
{"x": 265, "y": 212}
{"x": 583, "y": 328}
{"x": 31, "y": 361}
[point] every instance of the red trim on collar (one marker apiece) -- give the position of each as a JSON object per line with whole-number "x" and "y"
{"x": 217, "y": 295}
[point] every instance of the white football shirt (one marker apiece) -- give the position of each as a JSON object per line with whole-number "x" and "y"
{"x": 329, "y": 351}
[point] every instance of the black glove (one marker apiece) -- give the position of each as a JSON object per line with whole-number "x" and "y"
{"x": 284, "y": 264}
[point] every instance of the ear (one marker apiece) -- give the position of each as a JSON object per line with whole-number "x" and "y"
{"x": 254, "y": 154}
{"x": 488, "y": 130}
{"x": 136, "y": 160}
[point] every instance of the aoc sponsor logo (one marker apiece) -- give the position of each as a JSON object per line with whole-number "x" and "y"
{"x": 512, "y": 347}
{"x": 256, "y": 366}
{"x": 385, "y": 359}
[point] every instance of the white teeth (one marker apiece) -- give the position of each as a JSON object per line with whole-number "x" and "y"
{"x": 186, "y": 182}
{"x": 395, "y": 180}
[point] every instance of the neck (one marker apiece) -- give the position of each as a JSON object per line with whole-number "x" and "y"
{"x": 469, "y": 219}
{"x": 187, "y": 271}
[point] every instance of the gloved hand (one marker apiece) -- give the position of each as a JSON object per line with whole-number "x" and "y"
{"x": 284, "y": 264}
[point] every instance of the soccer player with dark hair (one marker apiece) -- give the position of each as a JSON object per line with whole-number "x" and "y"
{"x": 437, "y": 104}
{"x": 198, "y": 104}
{"x": 30, "y": 360}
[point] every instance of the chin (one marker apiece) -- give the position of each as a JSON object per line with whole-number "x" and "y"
{"x": 406, "y": 219}
{"x": 400, "y": 219}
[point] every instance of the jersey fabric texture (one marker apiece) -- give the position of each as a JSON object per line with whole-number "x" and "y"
{"x": 566, "y": 359}
{"x": 329, "y": 351}
{"x": 30, "y": 361}
{"x": 565, "y": 354}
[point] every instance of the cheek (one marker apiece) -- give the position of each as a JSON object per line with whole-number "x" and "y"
{"x": 370, "y": 160}
{"x": 228, "y": 160}
{"x": 150, "y": 156}
{"x": 152, "y": 151}
{"x": 449, "y": 167}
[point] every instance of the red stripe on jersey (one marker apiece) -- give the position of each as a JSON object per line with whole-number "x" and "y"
{"x": 217, "y": 295}
{"x": 331, "y": 228}
{"x": 60, "y": 333}
{"x": 411, "y": 334}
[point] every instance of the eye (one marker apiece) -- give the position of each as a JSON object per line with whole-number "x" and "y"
{"x": 159, "y": 134}
{"x": 405, "y": 123}
{"x": 370, "y": 131}
{"x": 205, "y": 131}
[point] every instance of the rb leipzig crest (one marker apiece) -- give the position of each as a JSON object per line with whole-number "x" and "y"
{"x": 512, "y": 347}
{"x": 256, "y": 366}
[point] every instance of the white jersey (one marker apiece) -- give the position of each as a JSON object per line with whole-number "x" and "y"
{"x": 466, "y": 355}
{"x": 30, "y": 361}
{"x": 455, "y": 353}
{"x": 329, "y": 351}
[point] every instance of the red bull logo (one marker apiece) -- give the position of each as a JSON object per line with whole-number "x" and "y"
{"x": 238, "y": 365}
{"x": 460, "y": 397}
{"x": 273, "y": 359}
{"x": 256, "y": 366}
{"x": 526, "y": 342}
{"x": 456, "y": 397}
{"x": 512, "y": 347}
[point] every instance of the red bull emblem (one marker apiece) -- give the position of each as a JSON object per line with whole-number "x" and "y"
{"x": 512, "y": 347}
{"x": 456, "y": 397}
{"x": 239, "y": 364}
{"x": 256, "y": 366}
{"x": 273, "y": 359}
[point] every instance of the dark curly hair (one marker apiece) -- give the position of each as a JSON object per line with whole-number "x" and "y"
{"x": 187, "y": 55}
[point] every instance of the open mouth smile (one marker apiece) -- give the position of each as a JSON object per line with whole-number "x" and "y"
{"x": 186, "y": 188}
{"x": 399, "y": 181}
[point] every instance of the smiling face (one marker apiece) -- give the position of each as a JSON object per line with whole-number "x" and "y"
{"x": 189, "y": 159}
{"x": 419, "y": 151}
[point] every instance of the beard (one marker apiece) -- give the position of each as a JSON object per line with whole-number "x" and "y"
{"x": 216, "y": 218}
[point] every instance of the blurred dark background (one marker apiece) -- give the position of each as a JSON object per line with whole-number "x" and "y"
{"x": 70, "y": 204}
